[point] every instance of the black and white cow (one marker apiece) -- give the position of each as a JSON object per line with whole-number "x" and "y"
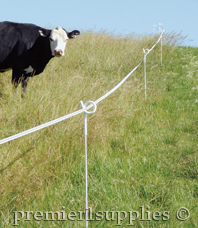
{"x": 27, "y": 48}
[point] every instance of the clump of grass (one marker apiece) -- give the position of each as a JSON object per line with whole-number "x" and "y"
{"x": 138, "y": 154}
{"x": 174, "y": 38}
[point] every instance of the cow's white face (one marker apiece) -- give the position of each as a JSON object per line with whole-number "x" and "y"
{"x": 58, "y": 39}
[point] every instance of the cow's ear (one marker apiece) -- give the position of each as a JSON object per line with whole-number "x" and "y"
{"x": 42, "y": 33}
{"x": 73, "y": 34}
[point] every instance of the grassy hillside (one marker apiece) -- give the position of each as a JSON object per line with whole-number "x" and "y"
{"x": 140, "y": 156}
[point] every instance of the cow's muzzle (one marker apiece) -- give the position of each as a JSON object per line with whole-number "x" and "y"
{"x": 58, "y": 52}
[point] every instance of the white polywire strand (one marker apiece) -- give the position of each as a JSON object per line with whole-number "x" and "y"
{"x": 118, "y": 85}
{"x": 41, "y": 126}
{"x": 79, "y": 111}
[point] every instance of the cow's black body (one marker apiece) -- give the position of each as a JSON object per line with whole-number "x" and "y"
{"x": 23, "y": 46}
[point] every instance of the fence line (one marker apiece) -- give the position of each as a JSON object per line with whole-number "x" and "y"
{"x": 47, "y": 124}
{"x": 146, "y": 52}
{"x": 85, "y": 108}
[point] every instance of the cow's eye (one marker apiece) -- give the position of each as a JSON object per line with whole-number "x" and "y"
{"x": 51, "y": 39}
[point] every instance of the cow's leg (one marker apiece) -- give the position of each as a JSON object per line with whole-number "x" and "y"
{"x": 24, "y": 85}
{"x": 15, "y": 82}
{"x": 17, "y": 77}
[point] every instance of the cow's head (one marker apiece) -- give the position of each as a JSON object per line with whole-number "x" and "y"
{"x": 58, "y": 39}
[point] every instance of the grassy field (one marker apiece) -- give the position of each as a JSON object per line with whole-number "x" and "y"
{"x": 142, "y": 158}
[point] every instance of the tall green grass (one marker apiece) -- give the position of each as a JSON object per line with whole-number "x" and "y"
{"x": 138, "y": 154}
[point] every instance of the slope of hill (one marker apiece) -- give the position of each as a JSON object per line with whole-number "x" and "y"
{"x": 140, "y": 156}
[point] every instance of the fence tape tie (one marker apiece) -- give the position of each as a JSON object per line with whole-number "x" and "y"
{"x": 146, "y": 52}
{"x": 160, "y": 28}
{"x": 85, "y": 106}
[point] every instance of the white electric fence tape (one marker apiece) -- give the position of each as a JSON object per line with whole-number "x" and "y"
{"x": 2, "y": 141}
{"x": 40, "y": 127}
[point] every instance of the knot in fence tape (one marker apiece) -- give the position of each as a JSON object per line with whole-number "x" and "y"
{"x": 162, "y": 31}
{"x": 85, "y": 106}
{"x": 161, "y": 28}
{"x": 146, "y": 51}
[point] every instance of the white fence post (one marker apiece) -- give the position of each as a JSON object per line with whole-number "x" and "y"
{"x": 162, "y": 32}
{"x": 146, "y": 51}
{"x": 84, "y": 107}
{"x": 161, "y": 50}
